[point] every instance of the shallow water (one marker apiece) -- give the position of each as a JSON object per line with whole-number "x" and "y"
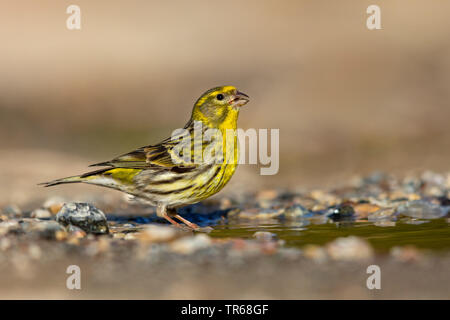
{"x": 431, "y": 234}
{"x": 316, "y": 228}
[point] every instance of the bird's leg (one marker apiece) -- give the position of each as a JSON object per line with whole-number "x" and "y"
{"x": 192, "y": 226}
{"x": 174, "y": 214}
{"x": 161, "y": 211}
{"x": 187, "y": 222}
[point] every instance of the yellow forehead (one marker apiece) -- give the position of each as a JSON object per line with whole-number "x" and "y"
{"x": 214, "y": 92}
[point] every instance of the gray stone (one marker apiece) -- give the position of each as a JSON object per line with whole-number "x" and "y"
{"x": 295, "y": 211}
{"x": 12, "y": 211}
{"x": 85, "y": 216}
{"x": 420, "y": 209}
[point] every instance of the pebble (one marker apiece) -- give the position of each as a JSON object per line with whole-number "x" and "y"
{"x": 188, "y": 245}
{"x": 318, "y": 207}
{"x": 12, "y": 211}
{"x": 382, "y": 214}
{"x": 341, "y": 213}
{"x": 406, "y": 254}
{"x": 363, "y": 210}
{"x": 50, "y": 230}
{"x": 84, "y": 216}
{"x": 158, "y": 233}
{"x": 54, "y": 204}
{"x": 130, "y": 236}
{"x": 41, "y": 214}
{"x": 8, "y": 226}
{"x": 400, "y": 194}
{"x": 119, "y": 235}
{"x": 295, "y": 211}
{"x": 269, "y": 204}
{"x": 420, "y": 209}
{"x": 307, "y": 203}
{"x": 315, "y": 252}
{"x": 264, "y": 236}
{"x": 414, "y": 196}
{"x": 349, "y": 249}
{"x": 433, "y": 191}
{"x": 433, "y": 178}
{"x": 34, "y": 251}
{"x": 323, "y": 197}
{"x": 412, "y": 184}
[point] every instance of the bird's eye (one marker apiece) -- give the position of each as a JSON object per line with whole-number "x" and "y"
{"x": 219, "y": 97}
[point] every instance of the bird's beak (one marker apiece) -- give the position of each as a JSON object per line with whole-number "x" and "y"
{"x": 240, "y": 99}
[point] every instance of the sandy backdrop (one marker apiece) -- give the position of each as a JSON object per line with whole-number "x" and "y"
{"x": 346, "y": 100}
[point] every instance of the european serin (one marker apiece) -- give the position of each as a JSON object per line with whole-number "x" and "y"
{"x": 159, "y": 174}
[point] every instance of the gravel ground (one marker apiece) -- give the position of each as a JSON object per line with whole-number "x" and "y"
{"x": 130, "y": 253}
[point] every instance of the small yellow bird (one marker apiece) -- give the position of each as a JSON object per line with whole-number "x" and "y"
{"x": 160, "y": 175}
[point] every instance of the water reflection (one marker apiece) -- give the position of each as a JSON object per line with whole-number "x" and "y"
{"x": 430, "y": 234}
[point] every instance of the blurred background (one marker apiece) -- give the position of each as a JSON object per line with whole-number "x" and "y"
{"x": 347, "y": 100}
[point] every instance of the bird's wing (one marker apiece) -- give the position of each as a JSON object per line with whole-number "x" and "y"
{"x": 158, "y": 156}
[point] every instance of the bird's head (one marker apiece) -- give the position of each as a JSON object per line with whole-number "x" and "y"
{"x": 219, "y": 105}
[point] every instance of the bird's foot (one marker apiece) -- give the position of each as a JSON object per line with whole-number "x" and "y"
{"x": 192, "y": 225}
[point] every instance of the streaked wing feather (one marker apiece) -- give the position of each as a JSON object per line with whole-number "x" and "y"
{"x": 157, "y": 156}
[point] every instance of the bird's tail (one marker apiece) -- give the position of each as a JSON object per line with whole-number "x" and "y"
{"x": 75, "y": 179}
